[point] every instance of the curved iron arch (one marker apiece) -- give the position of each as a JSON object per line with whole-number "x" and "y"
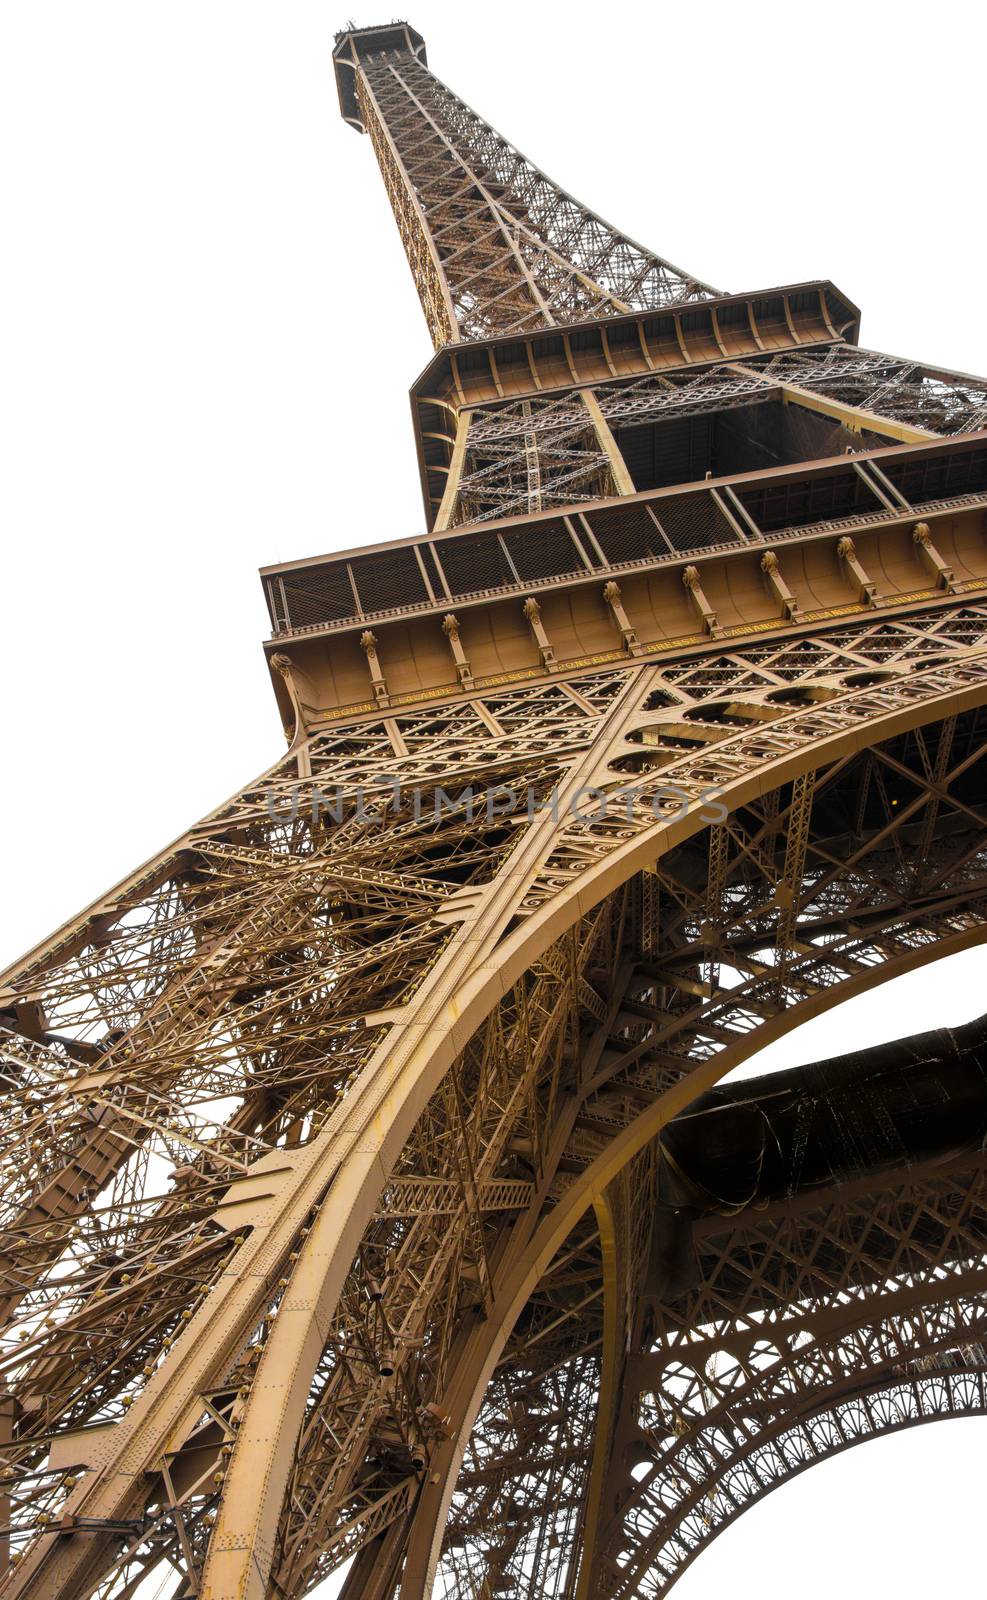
{"x": 463, "y": 976}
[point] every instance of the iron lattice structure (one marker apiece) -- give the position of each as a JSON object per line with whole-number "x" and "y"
{"x": 364, "y": 1195}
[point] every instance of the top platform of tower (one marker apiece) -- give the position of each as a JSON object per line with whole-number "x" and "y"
{"x": 354, "y": 42}
{"x": 608, "y": 445}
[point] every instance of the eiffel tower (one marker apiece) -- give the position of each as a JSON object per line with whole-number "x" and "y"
{"x": 369, "y": 1195}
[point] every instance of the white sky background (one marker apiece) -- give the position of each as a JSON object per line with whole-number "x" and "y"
{"x": 200, "y": 276}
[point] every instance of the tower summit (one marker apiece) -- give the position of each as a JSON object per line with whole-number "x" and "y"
{"x": 368, "y": 1194}
{"x": 494, "y": 245}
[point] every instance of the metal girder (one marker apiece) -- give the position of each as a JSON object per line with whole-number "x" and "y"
{"x": 320, "y": 953}
{"x": 493, "y": 244}
{"x": 333, "y": 1135}
{"x": 827, "y": 1320}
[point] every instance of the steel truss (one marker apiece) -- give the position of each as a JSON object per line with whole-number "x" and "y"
{"x": 332, "y": 1148}
{"x": 495, "y": 246}
{"x": 190, "y": 1063}
{"x": 531, "y": 455}
{"x": 816, "y": 1325}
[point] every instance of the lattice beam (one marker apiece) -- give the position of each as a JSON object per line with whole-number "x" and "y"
{"x": 333, "y": 1137}
{"x": 494, "y": 246}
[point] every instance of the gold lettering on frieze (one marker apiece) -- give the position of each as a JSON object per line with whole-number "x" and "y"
{"x": 442, "y": 692}
{"x": 673, "y": 644}
{"x": 346, "y": 711}
{"x": 507, "y": 677}
{"x": 594, "y": 661}
{"x": 835, "y": 611}
{"x": 756, "y": 627}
